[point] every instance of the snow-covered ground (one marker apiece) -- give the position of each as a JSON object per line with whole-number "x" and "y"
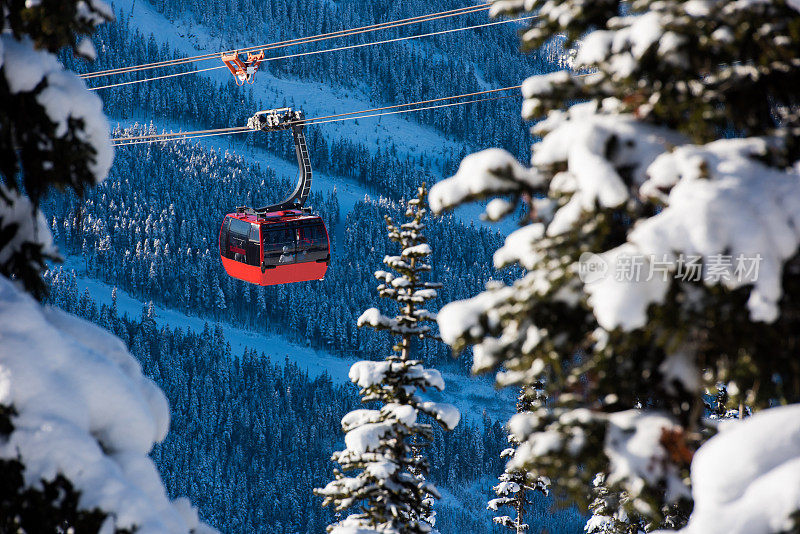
{"x": 472, "y": 396}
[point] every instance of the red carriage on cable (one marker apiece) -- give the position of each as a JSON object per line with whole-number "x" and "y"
{"x": 283, "y": 242}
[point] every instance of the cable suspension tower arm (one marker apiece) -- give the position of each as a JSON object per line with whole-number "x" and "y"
{"x": 287, "y": 119}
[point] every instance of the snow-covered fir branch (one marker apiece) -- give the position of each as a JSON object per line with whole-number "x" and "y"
{"x": 54, "y": 131}
{"x": 659, "y": 242}
{"x": 78, "y": 422}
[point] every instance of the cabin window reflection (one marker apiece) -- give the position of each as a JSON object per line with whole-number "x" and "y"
{"x": 240, "y": 227}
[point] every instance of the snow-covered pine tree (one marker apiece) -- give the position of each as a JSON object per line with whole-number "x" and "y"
{"x": 52, "y": 130}
{"x": 608, "y": 515}
{"x": 385, "y": 445}
{"x": 517, "y": 485}
{"x": 660, "y": 249}
{"x": 426, "y": 513}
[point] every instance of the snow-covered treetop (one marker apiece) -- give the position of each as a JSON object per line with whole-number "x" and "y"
{"x": 681, "y": 61}
{"x": 405, "y": 285}
{"x": 383, "y": 446}
{"x": 516, "y": 486}
{"x": 84, "y": 411}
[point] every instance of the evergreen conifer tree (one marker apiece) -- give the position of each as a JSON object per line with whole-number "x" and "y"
{"x": 384, "y": 445}
{"x": 608, "y": 514}
{"x": 517, "y": 485}
{"x": 52, "y": 130}
{"x": 659, "y": 242}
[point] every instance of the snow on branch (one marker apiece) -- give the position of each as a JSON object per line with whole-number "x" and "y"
{"x": 367, "y": 374}
{"x": 491, "y": 172}
{"x": 397, "y": 263}
{"x": 521, "y": 247}
{"x": 93, "y": 12}
{"x": 424, "y": 294}
{"x": 417, "y": 251}
{"x": 356, "y": 525}
{"x": 367, "y": 436}
{"x": 722, "y": 202}
{"x": 424, "y": 315}
{"x": 746, "y": 480}
{"x": 635, "y": 444}
{"x": 85, "y": 411}
{"x": 431, "y": 378}
{"x": 447, "y": 414}
{"x": 599, "y": 151}
{"x": 64, "y": 98}
{"x": 31, "y": 230}
{"x": 401, "y": 325}
{"x": 374, "y": 318}
{"x": 467, "y": 317}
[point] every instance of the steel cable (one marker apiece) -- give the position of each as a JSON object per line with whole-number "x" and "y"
{"x": 316, "y": 52}
{"x": 294, "y": 42}
{"x": 353, "y": 115}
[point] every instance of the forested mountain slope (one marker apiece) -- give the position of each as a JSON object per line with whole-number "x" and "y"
{"x": 245, "y": 431}
{"x": 356, "y": 79}
{"x": 151, "y": 230}
{"x": 249, "y": 439}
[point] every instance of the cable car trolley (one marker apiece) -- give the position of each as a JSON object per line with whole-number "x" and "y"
{"x": 243, "y": 70}
{"x": 284, "y": 242}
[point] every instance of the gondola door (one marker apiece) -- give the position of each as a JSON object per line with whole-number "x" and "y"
{"x": 224, "y": 250}
{"x": 280, "y": 245}
{"x": 238, "y": 237}
{"x": 254, "y": 246}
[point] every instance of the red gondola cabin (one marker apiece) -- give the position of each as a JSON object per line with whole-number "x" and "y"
{"x": 274, "y": 248}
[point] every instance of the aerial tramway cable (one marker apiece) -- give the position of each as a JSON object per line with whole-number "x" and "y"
{"x": 354, "y": 115}
{"x": 430, "y": 101}
{"x": 324, "y": 51}
{"x": 398, "y": 112}
{"x": 294, "y": 42}
{"x": 123, "y": 141}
